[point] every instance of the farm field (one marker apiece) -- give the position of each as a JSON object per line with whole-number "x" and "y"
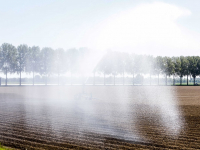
{"x": 100, "y": 117}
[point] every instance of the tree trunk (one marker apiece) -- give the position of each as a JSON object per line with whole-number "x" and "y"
{"x": 20, "y": 80}
{"x": 158, "y": 78}
{"x": 187, "y": 79}
{"x": 133, "y": 78}
{"x": 166, "y": 80}
{"x": 94, "y": 78}
{"x": 58, "y": 79}
{"x": 33, "y": 78}
{"x": 104, "y": 79}
{"x": 142, "y": 80}
{"x": 150, "y": 78}
{"x": 6, "y": 76}
{"x": 83, "y": 80}
{"x": 71, "y": 78}
{"x": 180, "y": 80}
{"x": 20, "y": 72}
{"x": 194, "y": 80}
{"x": 46, "y": 80}
{"x": 123, "y": 77}
{"x": 114, "y": 79}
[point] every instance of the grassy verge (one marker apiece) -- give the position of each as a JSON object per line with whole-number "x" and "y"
{"x": 4, "y": 148}
{"x": 185, "y": 84}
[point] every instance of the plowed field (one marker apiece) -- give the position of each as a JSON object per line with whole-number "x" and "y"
{"x": 100, "y": 117}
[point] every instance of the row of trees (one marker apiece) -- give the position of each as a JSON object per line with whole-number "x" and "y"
{"x": 44, "y": 61}
{"x": 121, "y": 63}
{"x": 47, "y": 61}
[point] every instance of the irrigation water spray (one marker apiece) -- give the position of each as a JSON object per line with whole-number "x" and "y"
{"x": 109, "y": 110}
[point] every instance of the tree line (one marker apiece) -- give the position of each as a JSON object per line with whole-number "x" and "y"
{"x": 47, "y": 61}
{"x": 120, "y": 63}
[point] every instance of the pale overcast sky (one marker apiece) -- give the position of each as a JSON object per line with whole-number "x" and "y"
{"x": 164, "y": 27}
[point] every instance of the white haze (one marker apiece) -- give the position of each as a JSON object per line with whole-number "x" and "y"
{"x": 150, "y": 28}
{"x": 112, "y": 111}
{"x": 147, "y": 29}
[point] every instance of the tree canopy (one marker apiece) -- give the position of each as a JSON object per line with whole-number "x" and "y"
{"x": 47, "y": 61}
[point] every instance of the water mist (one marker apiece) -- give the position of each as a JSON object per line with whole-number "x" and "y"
{"x": 112, "y": 111}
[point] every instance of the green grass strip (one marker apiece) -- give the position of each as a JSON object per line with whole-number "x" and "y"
{"x": 3, "y": 148}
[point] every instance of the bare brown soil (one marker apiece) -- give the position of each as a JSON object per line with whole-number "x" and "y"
{"x": 28, "y": 121}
